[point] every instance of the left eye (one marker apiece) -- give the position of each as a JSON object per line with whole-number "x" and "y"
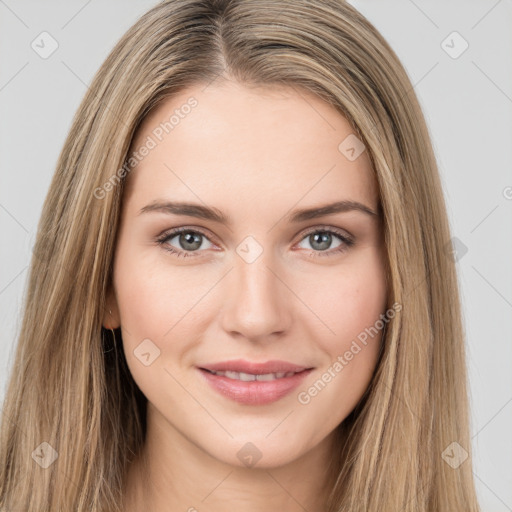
{"x": 322, "y": 240}
{"x": 190, "y": 241}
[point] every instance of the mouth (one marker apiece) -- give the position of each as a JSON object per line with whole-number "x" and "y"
{"x": 250, "y": 377}
{"x": 254, "y": 383}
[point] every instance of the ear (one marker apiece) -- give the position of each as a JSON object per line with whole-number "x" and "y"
{"x": 111, "y": 317}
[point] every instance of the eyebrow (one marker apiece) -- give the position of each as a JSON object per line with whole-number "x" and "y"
{"x": 213, "y": 214}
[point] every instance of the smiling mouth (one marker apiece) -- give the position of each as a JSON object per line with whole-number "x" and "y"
{"x": 254, "y": 389}
{"x": 249, "y": 377}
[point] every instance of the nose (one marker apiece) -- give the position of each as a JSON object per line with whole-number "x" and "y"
{"x": 258, "y": 301}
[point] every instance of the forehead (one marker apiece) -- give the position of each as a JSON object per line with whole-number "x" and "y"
{"x": 274, "y": 142}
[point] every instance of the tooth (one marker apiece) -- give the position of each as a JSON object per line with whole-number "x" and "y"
{"x": 266, "y": 376}
{"x": 247, "y": 377}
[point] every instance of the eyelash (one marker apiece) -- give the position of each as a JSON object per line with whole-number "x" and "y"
{"x": 347, "y": 242}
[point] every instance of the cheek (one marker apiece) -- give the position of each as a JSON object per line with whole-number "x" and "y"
{"x": 349, "y": 303}
{"x": 355, "y": 300}
{"x": 140, "y": 297}
{"x": 150, "y": 302}
{"x": 151, "y": 296}
{"x": 159, "y": 303}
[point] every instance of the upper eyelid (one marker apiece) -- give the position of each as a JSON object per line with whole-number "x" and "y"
{"x": 171, "y": 233}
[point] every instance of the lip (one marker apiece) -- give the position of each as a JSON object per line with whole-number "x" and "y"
{"x": 254, "y": 392}
{"x": 241, "y": 365}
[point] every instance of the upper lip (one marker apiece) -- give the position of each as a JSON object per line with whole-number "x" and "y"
{"x": 242, "y": 366}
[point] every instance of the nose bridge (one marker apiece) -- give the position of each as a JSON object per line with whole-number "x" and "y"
{"x": 256, "y": 305}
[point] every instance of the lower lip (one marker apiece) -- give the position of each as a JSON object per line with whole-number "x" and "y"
{"x": 254, "y": 392}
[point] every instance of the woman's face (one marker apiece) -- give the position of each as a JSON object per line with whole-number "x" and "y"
{"x": 260, "y": 273}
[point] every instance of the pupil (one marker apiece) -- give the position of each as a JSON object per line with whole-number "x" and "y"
{"x": 325, "y": 240}
{"x": 187, "y": 240}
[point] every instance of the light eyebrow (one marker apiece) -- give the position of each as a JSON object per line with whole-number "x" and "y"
{"x": 213, "y": 214}
{"x": 189, "y": 209}
{"x": 329, "y": 209}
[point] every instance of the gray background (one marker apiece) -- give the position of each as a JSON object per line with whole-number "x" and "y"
{"x": 467, "y": 102}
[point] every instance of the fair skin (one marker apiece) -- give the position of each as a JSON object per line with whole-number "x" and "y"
{"x": 257, "y": 156}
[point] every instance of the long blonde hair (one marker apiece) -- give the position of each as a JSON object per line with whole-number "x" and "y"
{"x": 70, "y": 386}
